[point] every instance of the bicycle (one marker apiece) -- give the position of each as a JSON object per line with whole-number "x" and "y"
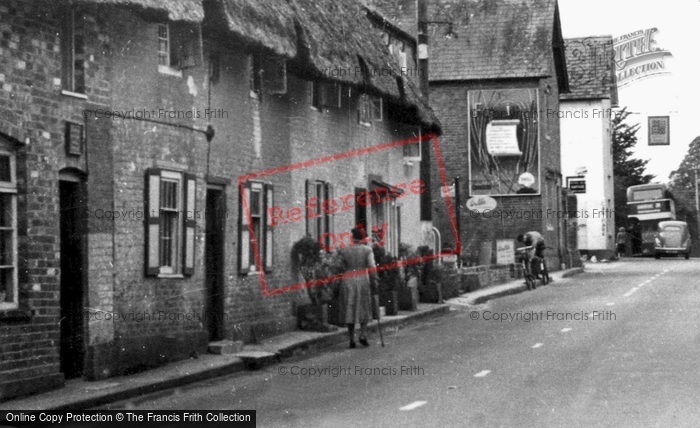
{"x": 523, "y": 259}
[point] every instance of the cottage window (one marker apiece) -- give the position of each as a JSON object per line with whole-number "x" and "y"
{"x": 171, "y": 217}
{"x": 8, "y": 232}
{"x": 318, "y": 220}
{"x": 179, "y": 47}
{"x": 268, "y": 74}
{"x": 326, "y": 94}
{"x": 255, "y": 234}
{"x": 73, "y": 55}
{"x": 370, "y": 109}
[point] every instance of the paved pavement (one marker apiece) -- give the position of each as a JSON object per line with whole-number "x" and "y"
{"x": 80, "y": 394}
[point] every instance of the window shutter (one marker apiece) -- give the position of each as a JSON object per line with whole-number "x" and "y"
{"x": 274, "y": 75}
{"x": 310, "y": 222}
{"x": 243, "y": 229}
{"x": 190, "y": 223}
{"x": 269, "y": 231}
{"x": 377, "y": 111}
{"x": 330, "y": 218}
{"x": 152, "y": 197}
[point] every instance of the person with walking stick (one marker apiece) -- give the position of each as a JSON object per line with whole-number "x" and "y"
{"x": 355, "y": 304}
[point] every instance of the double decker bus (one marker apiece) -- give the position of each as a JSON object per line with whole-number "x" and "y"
{"x": 648, "y": 205}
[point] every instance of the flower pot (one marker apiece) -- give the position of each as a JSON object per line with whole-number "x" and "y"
{"x": 408, "y": 295}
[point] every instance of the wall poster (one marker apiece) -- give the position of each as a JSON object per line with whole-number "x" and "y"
{"x": 504, "y": 144}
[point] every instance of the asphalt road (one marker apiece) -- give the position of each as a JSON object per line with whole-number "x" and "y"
{"x": 617, "y": 346}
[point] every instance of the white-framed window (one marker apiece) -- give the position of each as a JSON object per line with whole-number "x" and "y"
{"x": 73, "y": 55}
{"x": 179, "y": 47}
{"x": 171, "y": 215}
{"x": 255, "y": 227}
{"x": 9, "y": 293}
{"x": 164, "y": 45}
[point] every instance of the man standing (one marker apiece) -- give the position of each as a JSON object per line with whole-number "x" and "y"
{"x": 621, "y": 242}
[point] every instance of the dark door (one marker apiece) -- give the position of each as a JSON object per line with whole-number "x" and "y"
{"x": 361, "y": 211}
{"x": 215, "y": 217}
{"x": 72, "y": 225}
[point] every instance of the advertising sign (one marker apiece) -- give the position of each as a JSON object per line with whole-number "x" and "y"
{"x": 659, "y": 131}
{"x": 504, "y": 141}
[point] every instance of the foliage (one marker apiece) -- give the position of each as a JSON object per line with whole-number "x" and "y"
{"x": 312, "y": 263}
{"x": 627, "y": 170}
{"x": 407, "y": 252}
{"x": 389, "y": 279}
{"x": 683, "y": 185}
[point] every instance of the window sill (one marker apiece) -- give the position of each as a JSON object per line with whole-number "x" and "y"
{"x": 74, "y": 94}
{"x": 164, "y": 69}
{"x": 171, "y": 276}
{"x": 16, "y": 314}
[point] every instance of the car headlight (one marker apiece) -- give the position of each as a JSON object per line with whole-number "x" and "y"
{"x": 657, "y": 241}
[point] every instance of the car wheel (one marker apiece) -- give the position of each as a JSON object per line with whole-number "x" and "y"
{"x": 657, "y": 256}
{"x": 687, "y": 255}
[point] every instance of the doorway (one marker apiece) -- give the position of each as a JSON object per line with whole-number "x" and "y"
{"x": 215, "y": 217}
{"x": 72, "y": 233}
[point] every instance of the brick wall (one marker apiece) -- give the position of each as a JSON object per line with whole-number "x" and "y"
{"x": 514, "y": 214}
{"x": 33, "y": 116}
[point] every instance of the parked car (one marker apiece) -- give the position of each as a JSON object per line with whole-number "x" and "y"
{"x": 672, "y": 237}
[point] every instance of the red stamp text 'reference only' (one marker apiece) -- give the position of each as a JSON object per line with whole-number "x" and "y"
{"x": 329, "y": 205}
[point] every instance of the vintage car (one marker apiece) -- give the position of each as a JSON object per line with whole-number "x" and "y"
{"x": 672, "y": 238}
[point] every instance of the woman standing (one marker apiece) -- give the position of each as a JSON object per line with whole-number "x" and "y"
{"x": 355, "y": 292}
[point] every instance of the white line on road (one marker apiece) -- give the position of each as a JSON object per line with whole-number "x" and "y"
{"x": 482, "y": 373}
{"x": 610, "y": 304}
{"x": 414, "y": 405}
{"x": 565, "y": 330}
{"x": 537, "y": 345}
{"x": 629, "y": 293}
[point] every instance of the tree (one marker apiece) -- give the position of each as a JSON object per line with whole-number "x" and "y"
{"x": 683, "y": 186}
{"x": 626, "y": 170}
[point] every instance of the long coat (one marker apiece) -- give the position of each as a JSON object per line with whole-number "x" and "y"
{"x": 355, "y": 304}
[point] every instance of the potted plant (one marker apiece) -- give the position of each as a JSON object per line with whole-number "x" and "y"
{"x": 310, "y": 262}
{"x": 408, "y": 287}
{"x": 389, "y": 280}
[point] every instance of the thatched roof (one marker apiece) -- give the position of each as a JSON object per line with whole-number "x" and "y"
{"x": 176, "y": 10}
{"x": 267, "y": 23}
{"x": 590, "y": 62}
{"x": 337, "y": 35}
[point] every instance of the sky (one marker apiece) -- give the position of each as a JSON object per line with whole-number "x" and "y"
{"x": 676, "y": 94}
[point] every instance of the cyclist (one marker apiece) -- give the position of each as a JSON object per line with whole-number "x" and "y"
{"x": 536, "y": 254}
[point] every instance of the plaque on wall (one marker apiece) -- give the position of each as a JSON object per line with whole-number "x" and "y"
{"x": 75, "y": 139}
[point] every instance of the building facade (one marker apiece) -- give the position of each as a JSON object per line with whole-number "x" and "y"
{"x": 496, "y": 71}
{"x": 586, "y": 133}
{"x": 147, "y": 146}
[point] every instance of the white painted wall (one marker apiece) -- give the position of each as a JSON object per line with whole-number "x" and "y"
{"x": 586, "y": 141}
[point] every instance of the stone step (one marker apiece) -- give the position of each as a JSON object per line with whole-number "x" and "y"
{"x": 225, "y": 347}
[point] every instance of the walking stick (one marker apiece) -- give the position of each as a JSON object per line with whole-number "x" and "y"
{"x": 379, "y": 323}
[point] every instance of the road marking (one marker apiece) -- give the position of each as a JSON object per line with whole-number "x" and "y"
{"x": 610, "y": 304}
{"x": 537, "y": 345}
{"x": 482, "y": 373}
{"x": 629, "y": 293}
{"x": 414, "y": 405}
{"x": 565, "y": 330}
